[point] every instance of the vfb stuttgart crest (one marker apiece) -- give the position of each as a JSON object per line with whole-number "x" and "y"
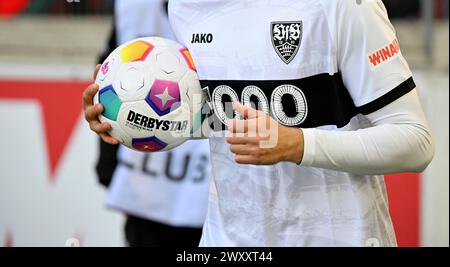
{"x": 286, "y": 38}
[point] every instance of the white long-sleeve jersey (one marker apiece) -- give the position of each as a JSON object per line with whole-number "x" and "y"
{"x": 333, "y": 68}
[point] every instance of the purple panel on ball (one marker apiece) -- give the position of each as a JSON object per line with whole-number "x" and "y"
{"x": 164, "y": 97}
{"x": 151, "y": 144}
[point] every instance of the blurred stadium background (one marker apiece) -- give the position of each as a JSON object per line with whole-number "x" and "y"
{"x": 48, "y": 188}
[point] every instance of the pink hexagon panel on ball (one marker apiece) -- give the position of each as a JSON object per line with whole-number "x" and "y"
{"x": 164, "y": 97}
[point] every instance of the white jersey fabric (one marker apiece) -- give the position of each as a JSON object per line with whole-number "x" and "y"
{"x": 167, "y": 187}
{"x": 330, "y": 67}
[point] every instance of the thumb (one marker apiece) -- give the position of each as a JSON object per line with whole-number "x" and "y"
{"x": 247, "y": 112}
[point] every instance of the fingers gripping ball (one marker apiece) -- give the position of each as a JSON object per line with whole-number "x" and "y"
{"x": 150, "y": 92}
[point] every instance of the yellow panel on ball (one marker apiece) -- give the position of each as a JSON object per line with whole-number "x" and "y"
{"x": 136, "y": 51}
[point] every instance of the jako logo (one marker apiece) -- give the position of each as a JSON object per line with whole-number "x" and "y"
{"x": 202, "y": 38}
{"x": 384, "y": 53}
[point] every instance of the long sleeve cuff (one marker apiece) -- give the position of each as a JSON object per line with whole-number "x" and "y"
{"x": 309, "y": 149}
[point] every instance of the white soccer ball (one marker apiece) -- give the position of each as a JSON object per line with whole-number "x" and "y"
{"x": 151, "y": 94}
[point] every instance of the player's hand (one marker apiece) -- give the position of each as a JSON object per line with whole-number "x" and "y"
{"x": 91, "y": 113}
{"x": 260, "y": 140}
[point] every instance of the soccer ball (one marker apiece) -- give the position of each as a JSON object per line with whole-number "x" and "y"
{"x": 151, "y": 94}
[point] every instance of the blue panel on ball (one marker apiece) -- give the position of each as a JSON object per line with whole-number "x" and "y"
{"x": 111, "y": 102}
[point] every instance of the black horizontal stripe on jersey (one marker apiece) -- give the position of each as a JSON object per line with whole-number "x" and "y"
{"x": 328, "y": 101}
{"x": 399, "y": 91}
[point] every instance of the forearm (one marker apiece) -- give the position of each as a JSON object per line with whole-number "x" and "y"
{"x": 399, "y": 141}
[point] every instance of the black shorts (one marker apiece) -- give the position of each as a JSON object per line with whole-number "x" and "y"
{"x": 144, "y": 233}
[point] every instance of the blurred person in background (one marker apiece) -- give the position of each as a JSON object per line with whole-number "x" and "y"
{"x": 164, "y": 195}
